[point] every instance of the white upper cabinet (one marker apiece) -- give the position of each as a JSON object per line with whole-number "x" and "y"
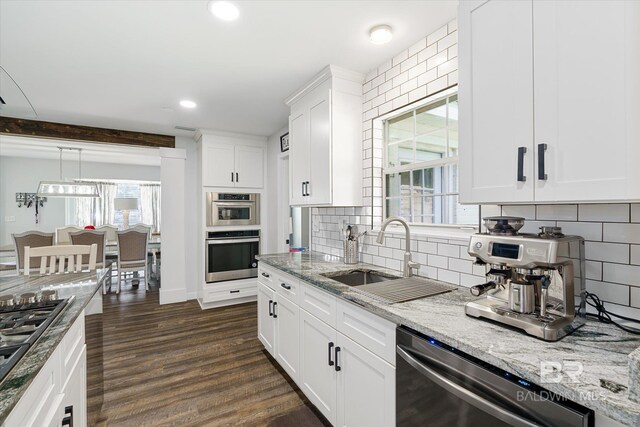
{"x": 495, "y": 101}
{"x": 230, "y": 160}
{"x": 325, "y": 140}
{"x": 560, "y": 80}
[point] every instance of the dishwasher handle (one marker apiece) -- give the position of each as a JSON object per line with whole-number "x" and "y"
{"x": 465, "y": 394}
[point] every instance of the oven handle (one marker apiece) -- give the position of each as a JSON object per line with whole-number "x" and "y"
{"x": 239, "y": 203}
{"x": 227, "y": 241}
{"x": 464, "y": 394}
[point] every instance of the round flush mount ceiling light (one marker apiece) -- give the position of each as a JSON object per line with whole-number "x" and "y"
{"x": 188, "y": 104}
{"x": 224, "y": 10}
{"x": 380, "y": 34}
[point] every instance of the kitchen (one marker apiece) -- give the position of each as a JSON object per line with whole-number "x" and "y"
{"x": 310, "y": 303}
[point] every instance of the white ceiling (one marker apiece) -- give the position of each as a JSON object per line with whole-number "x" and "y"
{"x": 126, "y": 64}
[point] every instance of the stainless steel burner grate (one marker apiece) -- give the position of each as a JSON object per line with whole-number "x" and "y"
{"x": 402, "y": 290}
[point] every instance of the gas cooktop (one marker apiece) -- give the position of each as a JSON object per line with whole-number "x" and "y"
{"x": 22, "y": 322}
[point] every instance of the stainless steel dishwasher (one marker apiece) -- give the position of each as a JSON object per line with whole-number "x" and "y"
{"x": 438, "y": 385}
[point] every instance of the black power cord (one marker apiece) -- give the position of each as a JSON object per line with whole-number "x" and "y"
{"x": 605, "y": 316}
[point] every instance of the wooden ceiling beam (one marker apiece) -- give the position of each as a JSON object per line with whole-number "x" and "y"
{"x": 36, "y": 128}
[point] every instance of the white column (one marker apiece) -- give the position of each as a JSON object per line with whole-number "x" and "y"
{"x": 172, "y": 176}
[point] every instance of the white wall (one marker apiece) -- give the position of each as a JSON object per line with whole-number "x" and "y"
{"x": 22, "y": 175}
{"x": 273, "y": 185}
{"x": 194, "y": 240}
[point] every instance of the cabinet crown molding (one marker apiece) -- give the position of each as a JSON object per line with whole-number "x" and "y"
{"x": 326, "y": 73}
{"x": 215, "y": 132}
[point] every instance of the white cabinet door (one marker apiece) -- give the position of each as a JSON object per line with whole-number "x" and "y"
{"x": 266, "y": 328}
{"x": 317, "y": 376}
{"x": 495, "y": 101}
{"x": 298, "y": 156}
{"x": 319, "y": 188}
{"x": 582, "y": 101}
{"x": 75, "y": 392}
{"x": 288, "y": 336}
{"x": 219, "y": 165}
{"x": 249, "y": 166}
{"x": 366, "y": 387}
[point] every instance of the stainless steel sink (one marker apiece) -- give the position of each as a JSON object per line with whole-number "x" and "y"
{"x": 360, "y": 277}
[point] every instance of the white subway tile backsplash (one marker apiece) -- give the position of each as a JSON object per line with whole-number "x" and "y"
{"x": 393, "y": 264}
{"x": 410, "y": 62}
{"x": 534, "y": 226}
{"x": 635, "y": 254}
{"x": 428, "y": 77}
{"x": 635, "y": 212}
{"x": 436, "y": 60}
{"x": 428, "y": 247}
{"x": 418, "y": 46}
{"x": 621, "y": 273}
{"x": 635, "y": 297}
{"x": 460, "y": 265}
{"x": 627, "y": 233}
{"x": 587, "y": 230}
{"x": 428, "y": 271}
{"x": 593, "y": 270}
{"x": 449, "y": 250}
{"x": 469, "y": 280}
{"x": 437, "y": 85}
{"x": 438, "y": 261}
{"x": 437, "y": 35}
{"x": 449, "y": 276}
{"x": 447, "y": 41}
{"x": 452, "y": 26}
{"x": 400, "y": 57}
{"x": 610, "y": 292}
{"x": 604, "y": 213}
{"x": 557, "y": 212}
{"x": 523, "y": 211}
{"x": 610, "y": 252}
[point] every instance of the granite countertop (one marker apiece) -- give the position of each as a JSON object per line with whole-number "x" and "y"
{"x": 604, "y": 351}
{"x": 83, "y": 287}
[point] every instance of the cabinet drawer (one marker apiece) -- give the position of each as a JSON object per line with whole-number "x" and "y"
{"x": 266, "y": 276}
{"x": 319, "y": 303}
{"x": 71, "y": 345}
{"x": 370, "y": 331}
{"x": 229, "y": 291}
{"x": 287, "y": 286}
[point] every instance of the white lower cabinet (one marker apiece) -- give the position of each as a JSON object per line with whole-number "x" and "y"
{"x": 317, "y": 364}
{"x": 57, "y": 396}
{"x": 366, "y": 387}
{"x": 337, "y": 353}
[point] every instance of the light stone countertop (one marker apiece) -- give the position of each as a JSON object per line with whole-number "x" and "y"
{"x": 604, "y": 351}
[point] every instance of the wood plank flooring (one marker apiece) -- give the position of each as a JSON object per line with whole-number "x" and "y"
{"x": 177, "y": 365}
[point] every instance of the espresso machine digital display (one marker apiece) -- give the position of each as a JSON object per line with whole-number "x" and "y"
{"x": 504, "y": 250}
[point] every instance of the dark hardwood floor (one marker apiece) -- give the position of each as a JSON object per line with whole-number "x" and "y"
{"x": 177, "y": 365}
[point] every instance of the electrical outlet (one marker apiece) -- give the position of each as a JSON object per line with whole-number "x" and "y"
{"x": 9, "y": 219}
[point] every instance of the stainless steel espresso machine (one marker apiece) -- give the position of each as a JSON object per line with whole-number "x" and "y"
{"x": 535, "y": 281}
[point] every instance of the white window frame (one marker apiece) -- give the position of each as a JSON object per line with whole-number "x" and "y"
{"x": 442, "y": 162}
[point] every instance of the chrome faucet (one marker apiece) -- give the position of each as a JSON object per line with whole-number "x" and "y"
{"x": 408, "y": 266}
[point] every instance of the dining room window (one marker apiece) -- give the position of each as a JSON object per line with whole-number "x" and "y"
{"x": 420, "y": 169}
{"x": 100, "y": 211}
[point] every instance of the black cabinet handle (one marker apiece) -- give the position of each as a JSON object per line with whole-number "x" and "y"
{"x": 330, "y": 348}
{"x": 234, "y": 292}
{"x": 275, "y": 304}
{"x": 338, "y": 368}
{"x": 270, "y": 308}
{"x": 265, "y": 275}
{"x": 231, "y": 176}
{"x": 306, "y": 186}
{"x": 521, "y": 153}
{"x": 303, "y": 189}
{"x": 542, "y": 176}
{"x": 284, "y": 285}
{"x": 237, "y": 179}
{"x": 68, "y": 419}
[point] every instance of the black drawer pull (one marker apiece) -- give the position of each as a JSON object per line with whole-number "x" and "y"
{"x": 338, "y": 368}
{"x": 542, "y": 175}
{"x": 303, "y": 189}
{"x": 265, "y": 275}
{"x": 275, "y": 314}
{"x": 521, "y": 153}
{"x": 330, "y": 348}
{"x": 270, "y": 308}
{"x": 237, "y": 179}
{"x": 231, "y": 176}
{"x": 234, "y": 292}
{"x": 287, "y": 287}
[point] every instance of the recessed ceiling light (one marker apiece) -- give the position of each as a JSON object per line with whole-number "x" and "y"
{"x": 224, "y": 10}
{"x": 380, "y": 34}
{"x": 188, "y": 104}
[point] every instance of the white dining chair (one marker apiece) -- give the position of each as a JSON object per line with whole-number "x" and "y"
{"x": 89, "y": 237}
{"x": 67, "y": 258}
{"x": 111, "y": 232}
{"x": 62, "y": 234}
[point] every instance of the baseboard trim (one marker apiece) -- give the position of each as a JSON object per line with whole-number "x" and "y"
{"x": 224, "y": 303}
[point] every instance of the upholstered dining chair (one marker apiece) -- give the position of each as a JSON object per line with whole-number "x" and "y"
{"x": 62, "y": 234}
{"x": 132, "y": 254}
{"x": 32, "y": 239}
{"x": 61, "y": 258}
